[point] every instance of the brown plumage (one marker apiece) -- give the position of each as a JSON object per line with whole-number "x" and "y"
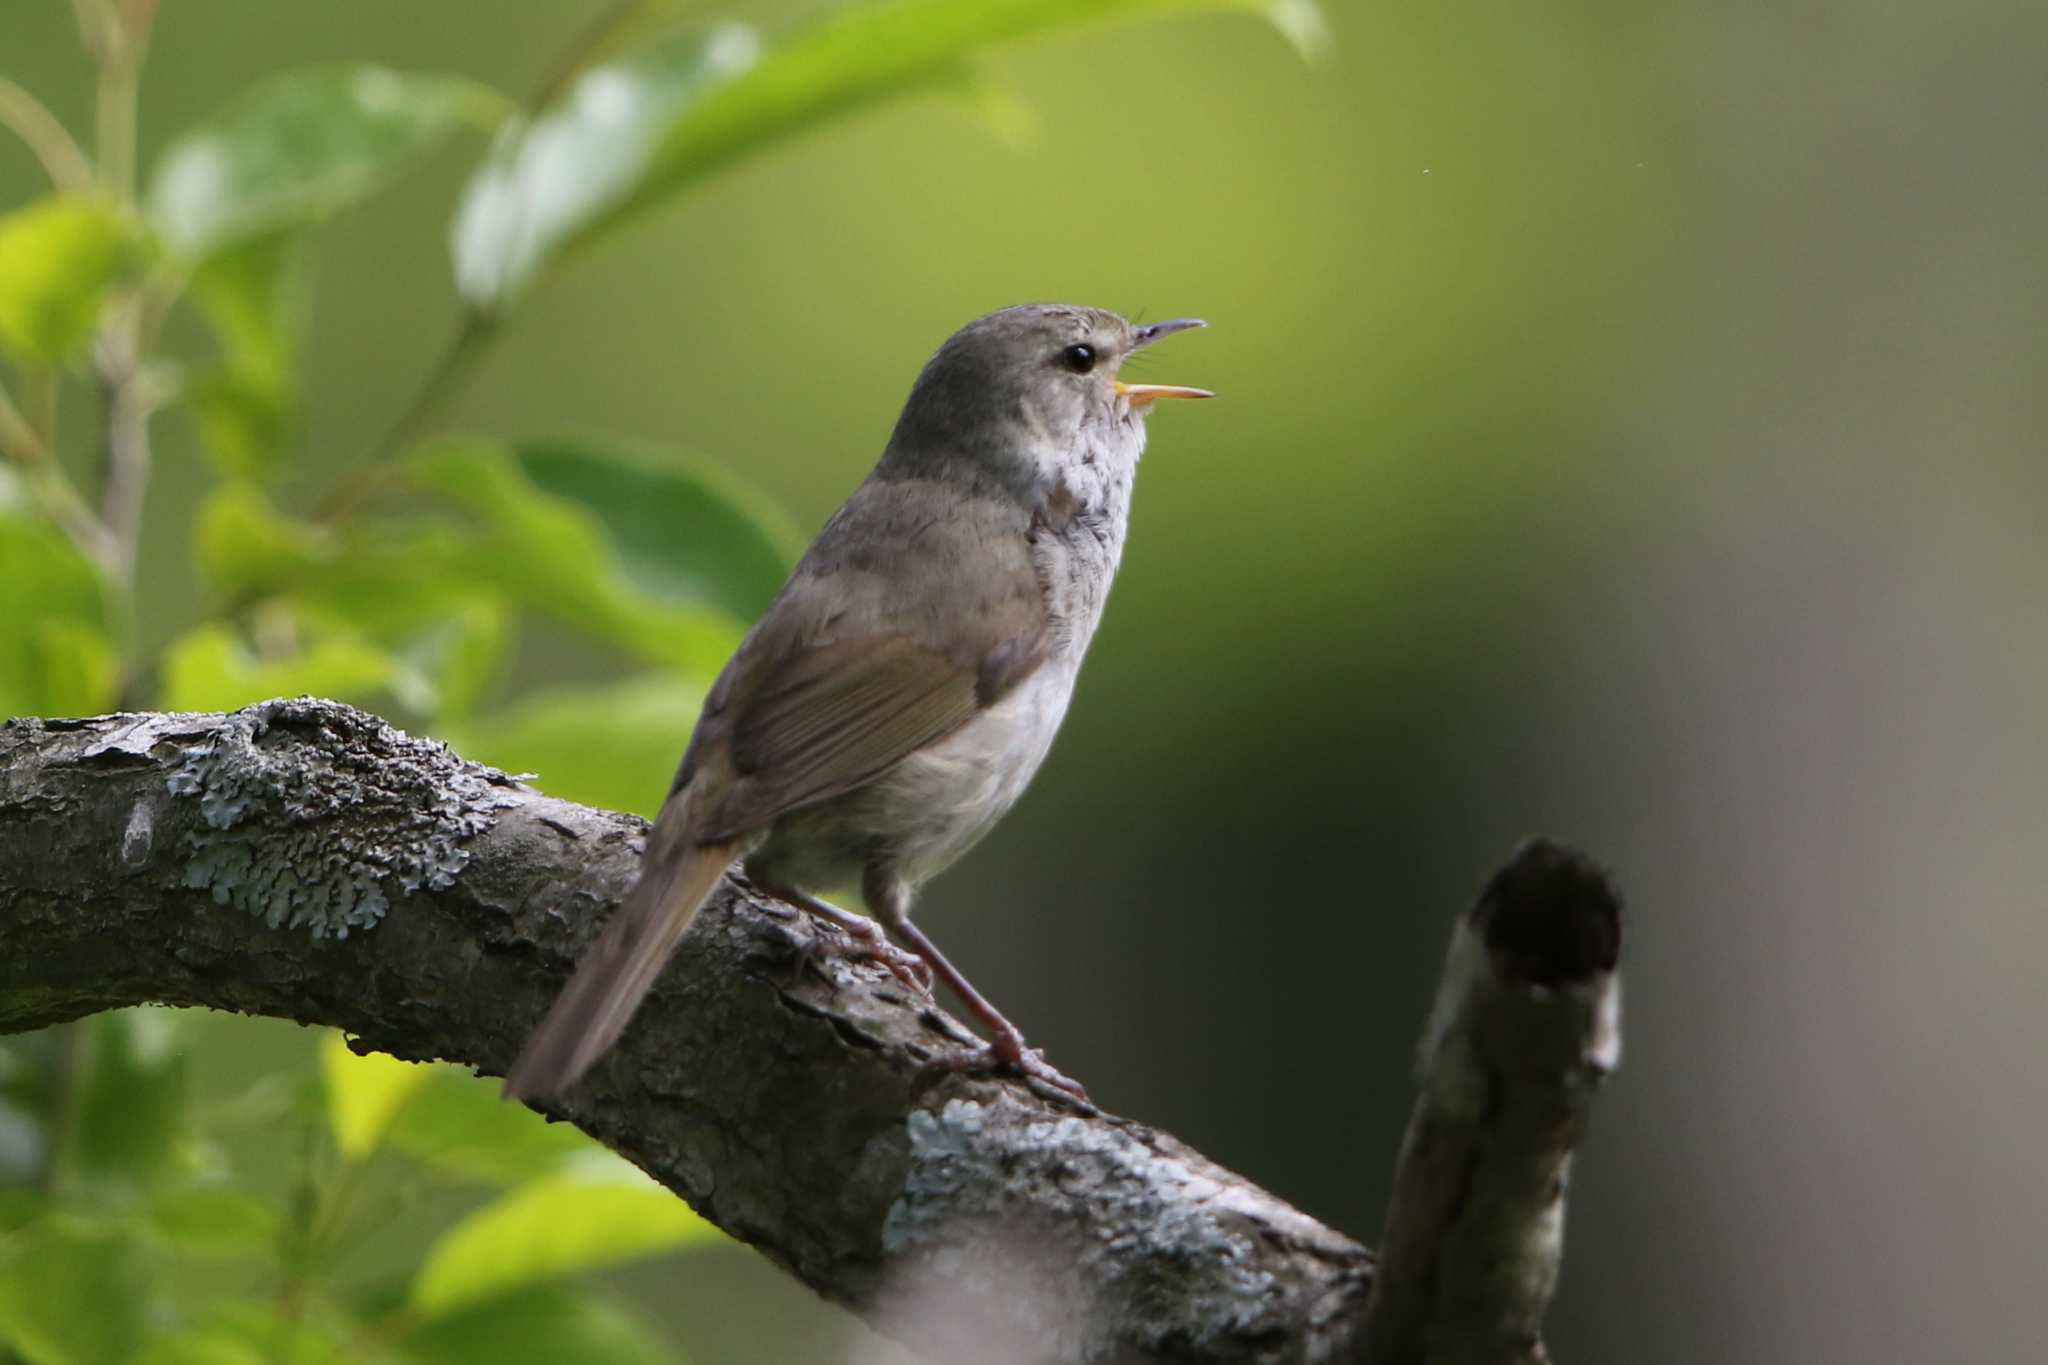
{"x": 904, "y": 685}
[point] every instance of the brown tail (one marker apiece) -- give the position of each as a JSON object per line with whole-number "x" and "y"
{"x": 594, "y": 1008}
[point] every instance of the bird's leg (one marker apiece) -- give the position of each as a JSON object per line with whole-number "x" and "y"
{"x": 1005, "y": 1049}
{"x": 868, "y": 939}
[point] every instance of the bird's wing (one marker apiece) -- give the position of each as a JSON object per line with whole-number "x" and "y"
{"x": 837, "y": 684}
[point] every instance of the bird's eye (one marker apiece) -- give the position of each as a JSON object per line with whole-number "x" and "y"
{"x": 1079, "y": 359}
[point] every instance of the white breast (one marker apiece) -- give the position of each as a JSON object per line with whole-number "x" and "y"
{"x": 939, "y": 801}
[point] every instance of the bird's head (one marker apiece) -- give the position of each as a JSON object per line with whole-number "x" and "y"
{"x": 1039, "y": 384}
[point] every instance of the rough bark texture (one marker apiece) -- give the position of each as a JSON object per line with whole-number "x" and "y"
{"x": 1527, "y": 1025}
{"x": 303, "y": 860}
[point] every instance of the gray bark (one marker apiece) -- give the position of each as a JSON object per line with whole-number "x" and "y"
{"x": 303, "y": 860}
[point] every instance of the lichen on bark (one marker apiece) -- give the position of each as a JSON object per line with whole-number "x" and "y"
{"x": 413, "y": 806}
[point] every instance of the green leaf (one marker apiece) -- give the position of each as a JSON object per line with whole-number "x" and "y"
{"x": 299, "y": 147}
{"x": 248, "y": 417}
{"x": 247, "y": 403}
{"x": 418, "y": 603}
{"x": 603, "y": 746}
{"x": 546, "y": 183}
{"x": 54, "y": 667}
{"x": 457, "y": 1124}
{"x": 243, "y": 544}
{"x": 551, "y": 556}
{"x": 213, "y": 1220}
{"x": 72, "y": 1293}
{"x": 132, "y": 1104}
{"x": 600, "y": 1213}
{"x": 631, "y": 133}
{"x": 364, "y": 1092}
{"x": 20, "y": 1202}
{"x": 210, "y": 669}
{"x": 685, "y": 532}
{"x": 252, "y": 294}
{"x": 458, "y": 647}
{"x": 858, "y": 54}
{"x": 248, "y": 1332}
{"x": 55, "y": 655}
{"x": 542, "y": 1325}
{"x": 444, "y": 638}
{"x": 205, "y": 1346}
{"x": 58, "y": 258}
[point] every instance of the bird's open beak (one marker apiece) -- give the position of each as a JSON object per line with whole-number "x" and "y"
{"x": 1142, "y": 395}
{"x": 1145, "y": 336}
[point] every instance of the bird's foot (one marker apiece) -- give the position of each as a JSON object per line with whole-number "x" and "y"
{"x": 1009, "y": 1056}
{"x": 1005, "y": 1051}
{"x": 864, "y": 941}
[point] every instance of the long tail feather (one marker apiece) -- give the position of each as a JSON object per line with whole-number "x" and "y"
{"x": 594, "y": 1008}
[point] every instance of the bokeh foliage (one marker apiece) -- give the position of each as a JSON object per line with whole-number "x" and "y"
{"x": 129, "y": 1236}
{"x": 127, "y": 1233}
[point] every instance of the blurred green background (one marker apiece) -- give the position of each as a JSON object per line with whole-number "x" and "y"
{"x": 1632, "y": 430}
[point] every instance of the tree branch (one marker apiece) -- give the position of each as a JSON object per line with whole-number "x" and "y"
{"x": 1526, "y": 1026}
{"x": 301, "y": 859}
{"x": 45, "y": 136}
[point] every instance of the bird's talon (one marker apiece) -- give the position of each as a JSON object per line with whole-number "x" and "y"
{"x": 868, "y": 944}
{"x": 1029, "y": 1063}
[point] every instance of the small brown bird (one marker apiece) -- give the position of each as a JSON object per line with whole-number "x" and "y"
{"x": 907, "y": 681}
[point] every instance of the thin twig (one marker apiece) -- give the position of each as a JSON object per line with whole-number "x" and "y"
{"x": 115, "y": 118}
{"x": 136, "y": 18}
{"x": 63, "y": 160}
{"x": 63, "y": 1108}
{"x": 74, "y": 516}
{"x": 125, "y": 405}
{"x": 96, "y": 27}
{"x": 28, "y": 443}
{"x": 127, "y": 459}
{"x": 120, "y": 56}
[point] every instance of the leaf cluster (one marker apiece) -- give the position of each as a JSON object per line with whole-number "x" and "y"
{"x": 405, "y": 581}
{"x": 134, "y": 1237}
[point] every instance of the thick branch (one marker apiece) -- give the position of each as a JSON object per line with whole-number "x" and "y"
{"x": 1526, "y": 1026}
{"x": 301, "y": 859}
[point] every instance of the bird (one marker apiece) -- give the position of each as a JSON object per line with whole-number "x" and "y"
{"x": 903, "y": 687}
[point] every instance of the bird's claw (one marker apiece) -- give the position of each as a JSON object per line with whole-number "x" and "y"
{"x": 1028, "y": 1062}
{"x": 867, "y": 943}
